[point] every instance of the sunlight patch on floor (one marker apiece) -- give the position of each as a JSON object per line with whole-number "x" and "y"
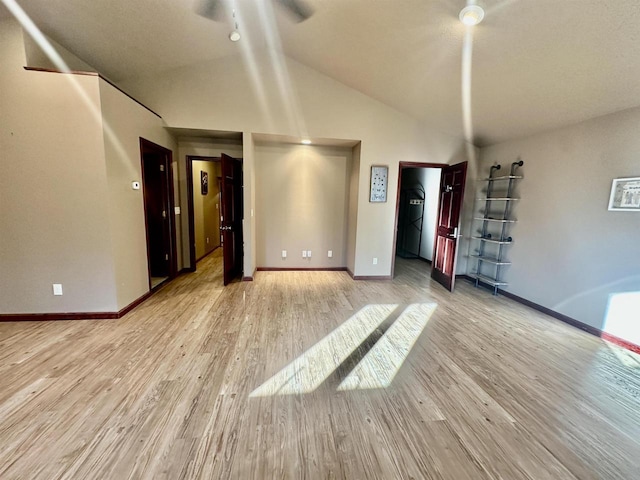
{"x": 308, "y": 371}
{"x": 625, "y": 357}
{"x": 380, "y": 366}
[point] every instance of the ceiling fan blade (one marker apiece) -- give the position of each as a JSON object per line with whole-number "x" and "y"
{"x": 210, "y": 9}
{"x": 298, "y": 9}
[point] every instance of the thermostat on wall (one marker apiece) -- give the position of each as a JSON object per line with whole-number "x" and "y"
{"x": 135, "y": 185}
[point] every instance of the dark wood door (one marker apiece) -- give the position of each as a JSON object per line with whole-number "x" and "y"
{"x": 231, "y": 221}
{"x": 158, "y": 191}
{"x": 447, "y": 230}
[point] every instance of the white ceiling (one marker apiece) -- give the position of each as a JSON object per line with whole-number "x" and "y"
{"x": 537, "y": 64}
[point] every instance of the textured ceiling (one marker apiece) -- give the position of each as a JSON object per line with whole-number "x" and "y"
{"x": 537, "y": 64}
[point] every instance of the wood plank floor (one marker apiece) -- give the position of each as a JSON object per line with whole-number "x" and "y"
{"x": 490, "y": 390}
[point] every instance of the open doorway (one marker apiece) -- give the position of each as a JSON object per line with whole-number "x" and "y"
{"x": 428, "y": 210}
{"x": 206, "y": 176}
{"x": 214, "y": 187}
{"x": 157, "y": 185}
{"x": 417, "y": 213}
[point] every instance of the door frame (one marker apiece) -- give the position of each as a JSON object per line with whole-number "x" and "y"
{"x": 402, "y": 166}
{"x": 190, "y": 207}
{"x": 149, "y": 146}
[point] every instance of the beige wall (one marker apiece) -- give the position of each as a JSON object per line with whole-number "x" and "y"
{"x": 352, "y": 214}
{"x": 220, "y": 96}
{"x": 36, "y": 58}
{"x": 125, "y": 121}
{"x": 70, "y": 150}
{"x": 206, "y": 208}
{"x": 249, "y": 202}
{"x": 202, "y": 147}
{"x": 301, "y": 204}
{"x": 470, "y": 154}
{"x": 571, "y": 254}
{"x": 54, "y": 217}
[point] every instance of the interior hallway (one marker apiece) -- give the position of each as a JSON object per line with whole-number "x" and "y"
{"x": 491, "y": 389}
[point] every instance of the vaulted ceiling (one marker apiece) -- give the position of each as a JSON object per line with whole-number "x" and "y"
{"x": 536, "y": 64}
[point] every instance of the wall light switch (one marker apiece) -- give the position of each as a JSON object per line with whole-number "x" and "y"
{"x": 330, "y": 254}
{"x": 57, "y": 289}
{"x": 375, "y": 260}
{"x": 135, "y": 185}
{"x": 176, "y": 210}
{"x": 284, "y": 254}
{"x": 207, "y": 240}
{"x": 308, "y": 253}
{"x": 304, "y": 254}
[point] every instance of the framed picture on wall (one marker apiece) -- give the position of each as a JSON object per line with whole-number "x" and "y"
{"x": 379, "y": 182}
{"x": 625, "y": 195}
{"x": 204, "y": 182}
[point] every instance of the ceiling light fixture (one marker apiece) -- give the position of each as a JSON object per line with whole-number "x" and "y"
{"x": 471, "y": 15}
{"x": 306, "y": 142}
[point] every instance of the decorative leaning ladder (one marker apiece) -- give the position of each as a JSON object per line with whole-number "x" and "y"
{"x": 492, "y": 243}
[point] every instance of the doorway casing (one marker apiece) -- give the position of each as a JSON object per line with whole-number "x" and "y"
{"x": 443, "y": 167}
{"x": 236, "y": 207}
{"x": 160, "y": 232}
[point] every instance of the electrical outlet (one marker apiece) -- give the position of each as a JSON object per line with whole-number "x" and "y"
{"x": 308, "y": 253}
{"x": 284, "y": 254}
{"x": 57, "y": 289}
{"x": 330, "y": 254}
{"x": 375, "y": 260}
{"x": 304, "y": 254}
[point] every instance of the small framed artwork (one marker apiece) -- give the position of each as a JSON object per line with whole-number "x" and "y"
{"x": 204, "y": 182}
{"x": 625, "y": 195}
{"x": 379, "y": 183}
